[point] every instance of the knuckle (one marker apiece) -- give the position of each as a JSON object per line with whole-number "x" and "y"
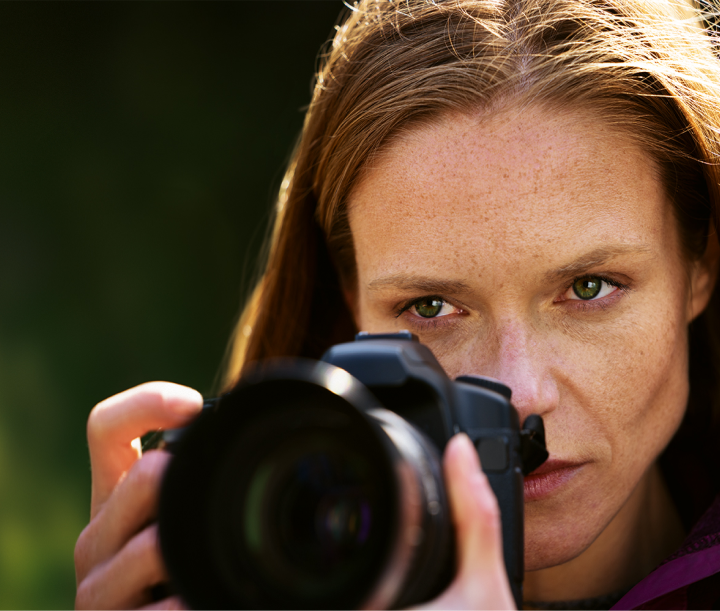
{"x": 490, "y": 503}
{"x": 151, "y": 392}
{"x": 84, "y": 596}
{"x": 160, "y": 393}
{"x": 82, "y": 552}
{"x": 491, "y": 517}
{"x": 493, "y": 521}
{"x": 492, "y": 508}
{"x": 149, "y": 541}
{"x": 144, "y": 549}
{"x": 174, "y": 604}
{"x": 96, "y": 422}
{"x": 145, "y": 473}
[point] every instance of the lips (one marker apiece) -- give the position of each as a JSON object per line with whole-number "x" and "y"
{"x": 550, "y": 477}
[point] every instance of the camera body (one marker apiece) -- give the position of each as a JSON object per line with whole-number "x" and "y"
{"x": 408, "y": 380}
{"x": 319, "y": 484}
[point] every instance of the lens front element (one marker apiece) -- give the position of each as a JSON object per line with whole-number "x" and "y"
{"x": 305, "y": 517}
{"x": 300, "y": 492}
{"x": 301, "y": 504}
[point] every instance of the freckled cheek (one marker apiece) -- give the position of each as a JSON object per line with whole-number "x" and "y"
{"x": 632, "y": 386}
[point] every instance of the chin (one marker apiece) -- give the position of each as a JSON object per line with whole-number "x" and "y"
{"x": 546, "y": 554}
{"x": 555, "y": 536}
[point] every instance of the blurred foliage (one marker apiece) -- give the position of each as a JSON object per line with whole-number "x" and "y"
{"x": 140, "y": 148}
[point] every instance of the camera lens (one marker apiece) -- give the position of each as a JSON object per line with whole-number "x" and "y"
{"x": 299, "y": 491}
{"x": 300, "y": 506}
{"x": 309, "y": 505}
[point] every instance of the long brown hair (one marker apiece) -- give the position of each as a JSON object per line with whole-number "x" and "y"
{"x": 647, "y": 67}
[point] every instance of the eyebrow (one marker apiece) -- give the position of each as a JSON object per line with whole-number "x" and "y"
{"x": 428, "y": 285}
{"x": 414, "y": 282}
{"x": 596, "y": 257}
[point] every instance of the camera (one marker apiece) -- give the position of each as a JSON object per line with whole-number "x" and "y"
{"x": 318, "y": 484}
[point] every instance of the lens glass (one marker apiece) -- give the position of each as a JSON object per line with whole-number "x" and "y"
{"x": 306, "y": 507}
{"x": 308, "y": 510}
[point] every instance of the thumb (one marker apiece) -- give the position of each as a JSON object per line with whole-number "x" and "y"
{"x": 481, "y": 581}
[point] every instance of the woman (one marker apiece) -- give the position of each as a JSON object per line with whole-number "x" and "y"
{"x": 531, "y": 187}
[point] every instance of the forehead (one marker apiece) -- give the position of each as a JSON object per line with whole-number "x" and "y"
{"x": 518, "y": 184}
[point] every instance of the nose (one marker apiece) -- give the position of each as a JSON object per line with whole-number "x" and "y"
{"x": 522, "y": 360}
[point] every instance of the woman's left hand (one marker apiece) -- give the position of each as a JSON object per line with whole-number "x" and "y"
{"x": 481, "y": 581}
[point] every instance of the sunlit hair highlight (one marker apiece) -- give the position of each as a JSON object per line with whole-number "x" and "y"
{"x": 644, "y": 67}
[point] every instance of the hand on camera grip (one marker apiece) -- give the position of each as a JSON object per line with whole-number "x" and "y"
{"x": 481, "y": 581}
{"x": 117, "y": 557}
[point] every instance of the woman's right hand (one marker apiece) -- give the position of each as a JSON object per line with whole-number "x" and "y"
{"x": 117, "y": 556}
{"x": 481, "y": 581}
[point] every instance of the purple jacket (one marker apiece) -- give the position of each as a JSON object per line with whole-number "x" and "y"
{"x": 690, "y": 578}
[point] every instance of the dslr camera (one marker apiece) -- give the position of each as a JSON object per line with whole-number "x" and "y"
{"x": 318, "y": 484}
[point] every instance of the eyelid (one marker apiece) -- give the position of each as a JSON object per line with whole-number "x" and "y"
{"x": 603, "y": 278}
{"x": 406, "y": 305}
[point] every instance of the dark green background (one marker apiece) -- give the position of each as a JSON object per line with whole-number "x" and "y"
{"x": 141, "y": 145}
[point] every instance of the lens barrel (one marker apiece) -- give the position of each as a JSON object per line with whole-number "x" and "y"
{"x": 300, "y": 491}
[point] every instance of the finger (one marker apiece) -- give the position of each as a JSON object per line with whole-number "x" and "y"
{"x": 131, "y": 506}
{"x": 481, "y": 581}
{"x": 124, "y": 582}
{"x": 475, "y": 510}
{"x": 173, "y": 602}
{"x": 116, "y": 422}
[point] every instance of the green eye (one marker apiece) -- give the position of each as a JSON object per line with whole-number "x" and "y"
{"x": 429, "y": 307}
{"x": 588, "y": 287}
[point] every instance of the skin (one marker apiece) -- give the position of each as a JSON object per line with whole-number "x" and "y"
{"x": 117, "y": 558}
{"x": 496, "y": 217}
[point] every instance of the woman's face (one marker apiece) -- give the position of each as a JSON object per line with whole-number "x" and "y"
{"x": 539, "y": 248}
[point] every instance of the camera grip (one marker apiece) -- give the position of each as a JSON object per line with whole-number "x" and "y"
{"x": 508, "y": 488}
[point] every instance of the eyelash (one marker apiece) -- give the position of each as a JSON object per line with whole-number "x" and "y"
{"x": 426, "y": 324}
{"x": 578, "y": 304}
{"x": 591, "y": 305}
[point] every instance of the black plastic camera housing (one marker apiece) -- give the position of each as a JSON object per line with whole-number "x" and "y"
{"x": 319, "y": 484}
